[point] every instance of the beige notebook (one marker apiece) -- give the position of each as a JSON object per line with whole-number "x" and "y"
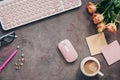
{"x": 96, "y": 43}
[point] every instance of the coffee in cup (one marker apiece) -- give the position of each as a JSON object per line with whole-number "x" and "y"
{"x": 90, "y": 66}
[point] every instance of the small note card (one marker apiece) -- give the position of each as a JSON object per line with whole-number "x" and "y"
{"x": 111, "y": 52}
{"x": 96, "y": 43}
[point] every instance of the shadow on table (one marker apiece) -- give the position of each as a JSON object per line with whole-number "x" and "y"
{"x": 80, "y": 76}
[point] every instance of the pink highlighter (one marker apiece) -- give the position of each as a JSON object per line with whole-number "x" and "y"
{"x": 67, "y": 50}
{"x": 9, "y": 58}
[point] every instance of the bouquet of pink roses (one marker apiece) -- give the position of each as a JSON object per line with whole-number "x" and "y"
{"x": 105, "y": 14}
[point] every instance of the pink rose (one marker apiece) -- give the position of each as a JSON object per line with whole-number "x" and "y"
{"x": 111, "y": 27}
{"x": 101, "y": 27}
{"x": 97, "y": 18}
{"x": 91, "y": 7}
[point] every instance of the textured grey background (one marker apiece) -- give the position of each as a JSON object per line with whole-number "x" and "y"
{"x": 43, "y": 60}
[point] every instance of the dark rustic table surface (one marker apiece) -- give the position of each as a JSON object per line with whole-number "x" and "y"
{"x": 43, "y": 60}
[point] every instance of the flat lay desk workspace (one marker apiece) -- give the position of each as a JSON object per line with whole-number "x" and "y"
{"x": 39, "y": 51}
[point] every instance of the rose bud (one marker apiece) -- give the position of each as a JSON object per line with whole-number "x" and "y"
{"x": 91, "y": 7}
{"x": 100, "y": 30}
{"x": 111, "y": 27}
{"x": 101, "y": 27}
{"x": 97, "y": 18}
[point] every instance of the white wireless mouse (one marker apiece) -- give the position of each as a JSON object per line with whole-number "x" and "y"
{"x": 68, "y": 50}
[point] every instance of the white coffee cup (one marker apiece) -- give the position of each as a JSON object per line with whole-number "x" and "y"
{"x": 97, "y": 71}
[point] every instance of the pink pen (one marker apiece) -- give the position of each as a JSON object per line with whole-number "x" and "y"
{"x": 6, "y": 62}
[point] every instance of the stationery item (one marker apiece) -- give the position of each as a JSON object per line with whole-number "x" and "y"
{"x": 19, "y": 12}
{"x": 68, "y": 50}
{"x": 111, "y": 52}
{"x": 8, "y": 59}
{"x": 96, "y": 43}
{"x": 90, "y": 67}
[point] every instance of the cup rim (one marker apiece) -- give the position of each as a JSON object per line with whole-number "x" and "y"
{"x": 84, "y": 61}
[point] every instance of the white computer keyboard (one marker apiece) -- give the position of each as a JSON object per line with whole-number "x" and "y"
{"x": 19, "y": 12}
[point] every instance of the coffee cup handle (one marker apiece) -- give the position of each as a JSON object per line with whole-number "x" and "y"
{"x": 100, "y": 73}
